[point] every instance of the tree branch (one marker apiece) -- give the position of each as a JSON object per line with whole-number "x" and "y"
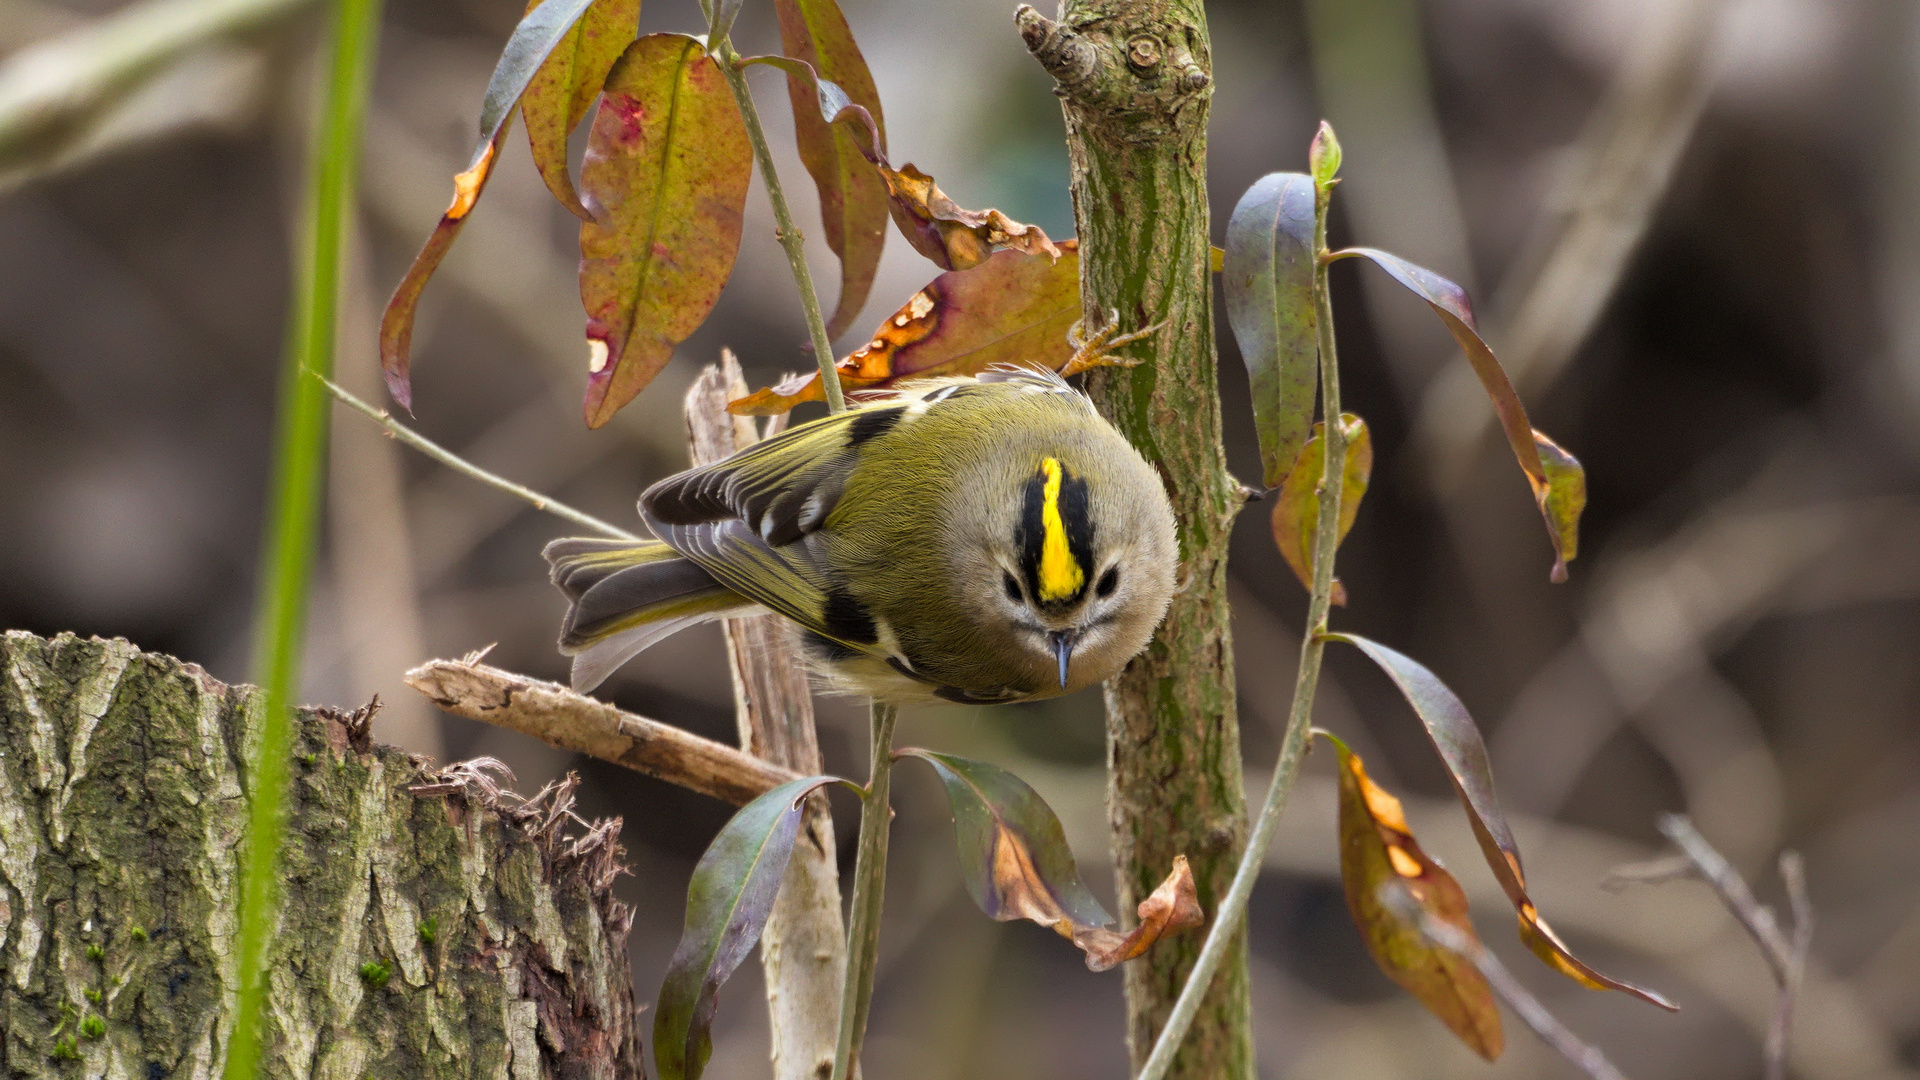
{"x": 559, "y": 717}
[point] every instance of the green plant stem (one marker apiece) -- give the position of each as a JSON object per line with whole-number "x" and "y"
{"x": 299, "y": 470}
{"x": 1293, "y": 746}
{"x": 451, "y": 460}
{"x": 790, "y": 237}
{"x": 869, "y": 886}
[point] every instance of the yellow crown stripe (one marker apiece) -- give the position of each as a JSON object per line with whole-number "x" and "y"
{"x": 1061, "y": 575}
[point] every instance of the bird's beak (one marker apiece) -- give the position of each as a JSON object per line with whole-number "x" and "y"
{"x": 1063, "y": 642}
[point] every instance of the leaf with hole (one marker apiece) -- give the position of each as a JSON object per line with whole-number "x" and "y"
{"x": 1450, "y": 302}
{"x": 562, "y": 90}
{"x": 1013, "y": 308}
{"x": 853, "y": 196}
{"x": 1377, "y": 850}
{"x": 1464, "y": 753}
{"x": 1267, "y": 276}
{"x": 1014, "y": 857}
{"x": 728, "y": 901}
{"x": 665, "y": 179}
{"x": 543, "y": 28}
{"x": 1296, "y": 506}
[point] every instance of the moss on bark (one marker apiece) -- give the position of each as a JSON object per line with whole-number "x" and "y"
{"x": 431, "y": 926}
{"x": 1134, "y": 78}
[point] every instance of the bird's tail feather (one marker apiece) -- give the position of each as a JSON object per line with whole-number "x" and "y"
{"x": 627, "y": 595}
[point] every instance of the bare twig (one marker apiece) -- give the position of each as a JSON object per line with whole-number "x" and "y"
{"x": 461, "y": 465}
{"x": 1651, "y": 872}
{"x": 1794, "y": 873}
{"x": 1584, "y": 1056}
{"x": 803, "y": 949}
{"x": 1755, "y": 916}
{"x": 559, "y": 717}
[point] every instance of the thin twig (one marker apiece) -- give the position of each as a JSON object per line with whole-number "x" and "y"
{"x": 1293, "y": 747}
{"x": 1651, "y": 872}
{"x": 803, "y": 950}
{"x": 559, "y": 717}
{"x": 869, "y": 885}
{"x": 1583, "y": 1055}
{"x": 790, "y": 238}
{"x": 1749, "y": 912}
{"x": 461, "y": 465}
{"x": 1794, "y": 872}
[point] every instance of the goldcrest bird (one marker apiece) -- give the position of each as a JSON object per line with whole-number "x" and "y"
{"x": 976, "y": 540}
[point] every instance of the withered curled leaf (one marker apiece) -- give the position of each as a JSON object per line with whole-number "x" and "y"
{"x": 1449, "y": 301}
{"x": 665, "y": 179}
{"x": 1376, "y": 851}
{"x": 563, "y": 88}
{"x": 1457, "y": 738}
{"x": 1013, "y": 308}
{"x": 1014, "y": 857}
{"x": 954, "y": 237}
{"x": 1296, "y": 507}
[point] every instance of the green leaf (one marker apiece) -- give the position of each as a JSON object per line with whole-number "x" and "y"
{"x": 1565, "y": 498}
{"x": 1014, "y": 857}
{"x": 853, "y": 197}
{"x": 1296, "y": 509}
{"x": 720, "y": 18}
{"x": 1457, "y": 738}
{"x": 563, "y": 88}
{"x": 728, "y": 901}
{"x": 533, "y": 40}
{"x": 396, "y": 323}
{"x": 665, "y": 180}
{"x": 1012, "y": 308}
{"x": 1449, "y": 301}
{"x": 1378, "y": 851}
{"x": 1268, "y": 277}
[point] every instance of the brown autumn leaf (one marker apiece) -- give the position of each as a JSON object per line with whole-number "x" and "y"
{"x": 1377, "y": 850}
{"x": 1014, "y": 308}
{"x": 1296, "y": 507}
{"x": 562, "y": 90}
{"x": 1014, "y": 857}
{"x": 1172, "y": 907}
{"x": 396, "y": 323}
{"x": 953, "y": 237}
{"x": 853, "y": 196}
{"x": 665, "y": 179}
{"x": 1464, "y": 752}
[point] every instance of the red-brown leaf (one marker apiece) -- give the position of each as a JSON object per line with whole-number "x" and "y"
{"x": 853, "y": 197}
{"x": 1376, "y": 851}
{"x": 954, "y": 237}
{"x": 665, "y": 180}
{"x": 1013, "y": 308}
{"x": 562, "y": 90}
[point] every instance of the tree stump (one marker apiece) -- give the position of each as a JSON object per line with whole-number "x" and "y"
{"x": 431, "y": 924}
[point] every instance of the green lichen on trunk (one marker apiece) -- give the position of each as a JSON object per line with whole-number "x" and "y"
{"x": 445, "y": 932}
{"x": 1134, "y": 77}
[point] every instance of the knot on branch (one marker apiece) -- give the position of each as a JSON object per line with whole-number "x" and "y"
{"x": 1137, "y": 80}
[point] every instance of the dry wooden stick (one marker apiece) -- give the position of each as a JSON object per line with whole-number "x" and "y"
{"x": 559, "y": 717}
{"x": 803, "y": 950}
{"x": 1786, "y": 956}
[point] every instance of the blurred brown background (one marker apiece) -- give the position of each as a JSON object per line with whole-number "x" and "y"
{"x": 1692, "y": 229}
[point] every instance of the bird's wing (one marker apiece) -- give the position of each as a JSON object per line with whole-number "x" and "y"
{"x": 748, "y": 519}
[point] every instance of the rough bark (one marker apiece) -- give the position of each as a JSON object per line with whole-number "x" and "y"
{"x": 1134, "y": 77}
{"x": 803, "y": 950}
{"x": 431, "y": 925}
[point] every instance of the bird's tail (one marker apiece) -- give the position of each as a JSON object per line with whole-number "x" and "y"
{"x": 625, "y": 596}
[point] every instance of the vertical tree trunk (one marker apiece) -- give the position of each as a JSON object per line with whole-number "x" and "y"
{"x": 431, "y": 925}
{"x": 1135, "y": 78}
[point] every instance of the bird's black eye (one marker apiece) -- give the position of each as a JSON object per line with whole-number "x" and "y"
{"x": 1109, "y": 581}
{"x": 1012, "y": 587}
